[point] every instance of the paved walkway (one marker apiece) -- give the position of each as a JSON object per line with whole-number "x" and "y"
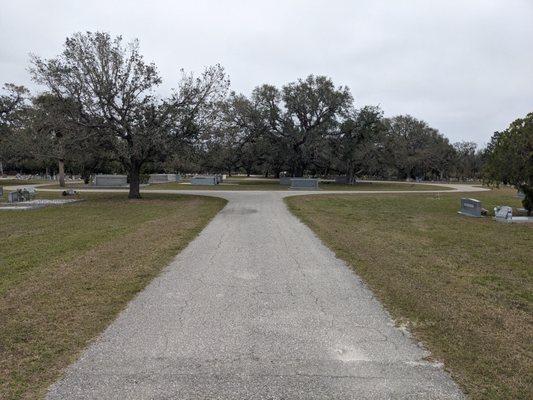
{"x": 256, "y": 307}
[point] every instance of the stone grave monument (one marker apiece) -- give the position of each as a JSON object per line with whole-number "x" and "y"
{"x": 208, "y": 180}
{"x": 285, "y": 180}
{"x": 470, "y": 207}
{"x": 110, "y": 180}
{"x": 304, "y": 183}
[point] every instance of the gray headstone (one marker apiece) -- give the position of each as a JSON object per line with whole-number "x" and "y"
{"x": 470, "y": 207}
{"x": 110, "y": 180}
{"x": 204, "y": 180}
{"x": 285, "y": 180}
{"x": 174, "y": 177}
{"x": 341, "y": 179}
{"x": 304, "y": 183}
{"x": 13, "y": 197}
{"x": 159, "y": 178}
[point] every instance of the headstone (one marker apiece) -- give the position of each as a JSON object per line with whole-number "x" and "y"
{"x": 1, "y": 191}
{"x": 504, "y": 213}
{"x": 27, "y": 193}
{"x": 304, "y": 183}
{"x": 341, "y": 179}
{"x": 204, "y": 180}
{"x": 110, "y": 180}
{"x": 174, "y": 177}
{"x": 470, "y": 207}
{"x": 285, "y": 180}
{"x": 159, "y": 178}
{"x": 13, "y": 197}
{"x": 521, "y": 195}
{"x": 69, "y": 192}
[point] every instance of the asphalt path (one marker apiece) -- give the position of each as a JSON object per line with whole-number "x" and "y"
{"x": 256, "y": 307}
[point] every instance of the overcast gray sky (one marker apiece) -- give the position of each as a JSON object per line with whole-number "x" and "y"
{"x": 464, "y": 66}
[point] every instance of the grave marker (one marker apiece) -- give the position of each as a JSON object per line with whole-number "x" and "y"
{"x": 304, "y": 183}
{"x": 163, "y": 178}
{"x": 341, "y": 179}
{"x": 470, "y": 207}
{"x": 204, "y": 180}
{"x": 13, "y": 197}
{"x": 110, "y": 180}
{"x": 285, "y": 180}
{"x": 503, "y": 213}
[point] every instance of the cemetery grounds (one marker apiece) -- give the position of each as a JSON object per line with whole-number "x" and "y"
{"x": 461, "y": 285}
{"x": 66, "y": 272}
{"x": 243, "y": 183}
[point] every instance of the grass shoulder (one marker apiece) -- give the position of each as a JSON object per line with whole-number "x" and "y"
{"x": 66, "y": 272}
{"x": 462, "y": 285}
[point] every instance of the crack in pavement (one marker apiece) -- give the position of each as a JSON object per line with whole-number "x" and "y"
{"x": 255, "y": 307}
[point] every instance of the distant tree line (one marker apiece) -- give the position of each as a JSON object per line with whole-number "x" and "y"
{"x": 100, "y": 112}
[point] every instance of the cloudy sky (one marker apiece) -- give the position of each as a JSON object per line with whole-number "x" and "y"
{"x": 464, "y": 66}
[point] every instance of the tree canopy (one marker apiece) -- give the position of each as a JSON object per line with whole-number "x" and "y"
{"x": 510, "y": 158}
{"x": 101, "y": 110}
{"x": 113, "y": 88}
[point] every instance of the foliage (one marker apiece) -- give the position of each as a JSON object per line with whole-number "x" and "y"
{"x": 114, "y": 90}
{"x": 13, "y": 103}
{"x": 510, "y": 158}
{"x": 416, "y": 150}
{"x": 102, "y": 113}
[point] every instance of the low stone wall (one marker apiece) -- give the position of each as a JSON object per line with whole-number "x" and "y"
{"x": 285, "y": 180}
{"x": 164, "y": 178}
{"x": 304, "y": 183}
{"x": 110, "y": 180}
{"x": 205, "y": 180}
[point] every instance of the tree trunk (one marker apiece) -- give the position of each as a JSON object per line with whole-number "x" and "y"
{"x": 135, "y": 180}
{"x": 351, "y": 178}
{"x": 1, "y": 168}
{"x": 61, "y": 175}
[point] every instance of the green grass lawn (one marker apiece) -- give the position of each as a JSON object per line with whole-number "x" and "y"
{"x": 272, "y": 184}
{"x": 21, "y": 182}
{"x": 463, "y": 286}
{"x": 65, "y": 273}
{"x": 241, "y": 183}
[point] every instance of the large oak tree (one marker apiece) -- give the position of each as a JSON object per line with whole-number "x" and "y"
{"x": 114, "y": 89}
